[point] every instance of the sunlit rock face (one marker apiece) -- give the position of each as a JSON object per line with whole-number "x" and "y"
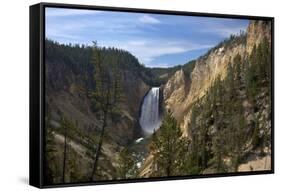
{"x": 180, "y": 92}
{"x": 256, "y": 32}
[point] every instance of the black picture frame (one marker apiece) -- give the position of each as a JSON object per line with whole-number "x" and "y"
{"x": 37, "y": 92}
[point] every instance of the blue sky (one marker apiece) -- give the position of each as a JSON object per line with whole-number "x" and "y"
{"x": 156, "y": 40}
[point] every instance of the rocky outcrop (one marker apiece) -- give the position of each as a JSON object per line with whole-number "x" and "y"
{"x": 175, "y": 92}
{"x": 255, "y": 162}
{"x": 256, "y": 32}
{"x": 206, "y": 71}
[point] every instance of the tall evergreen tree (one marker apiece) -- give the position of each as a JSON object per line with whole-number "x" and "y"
{"x": 167, "y": 147}
{"x": 49, "y": 152}
{"x": 127, "y": 166}
{"x": 67, "y": 128}
{"x": 106, "y": 94}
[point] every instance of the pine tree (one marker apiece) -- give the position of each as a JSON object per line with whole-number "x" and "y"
{"x": 240, "y": 139}
{"x": 168, "y": 146}
{"x": 251, "y": 76}
{"x": 49, "y": 152}
{"x": 230, "y": 82}
{"x": 237, "y": 61}
{"x": 192, "y": 162}
{"x": 219, "y": 123}
{"x": 67, "y": 128}
{"x": 106, "y": 94}
{"x": 206, "y": 122}
{"x": 127, "y": 166}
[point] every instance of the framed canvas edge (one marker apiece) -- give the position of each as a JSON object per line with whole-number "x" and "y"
{"x": 35, "y": 95}
{"x": 41, "y": 92}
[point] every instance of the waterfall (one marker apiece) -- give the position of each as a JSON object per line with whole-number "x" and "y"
{"x": 150, "y": 118}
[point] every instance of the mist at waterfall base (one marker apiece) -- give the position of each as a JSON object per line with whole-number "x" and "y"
{"x": 150, "y": 119}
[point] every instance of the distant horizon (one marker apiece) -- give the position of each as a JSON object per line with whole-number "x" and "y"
{"x": 157, "y": 41}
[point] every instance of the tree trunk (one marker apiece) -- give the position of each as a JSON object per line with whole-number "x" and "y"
{"x": 168, "y": 167}
{"x": 168, "y": 171}
{"x": 64, "y": 158}
{"x": 98, "y": 151}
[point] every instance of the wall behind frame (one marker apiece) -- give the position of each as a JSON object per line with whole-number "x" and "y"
{"x": 14, "y": 83}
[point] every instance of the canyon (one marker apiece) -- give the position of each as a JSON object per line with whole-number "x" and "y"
{"x": 143, "y": 105}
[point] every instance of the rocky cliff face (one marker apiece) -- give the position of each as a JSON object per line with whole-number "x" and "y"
{"x": 256, "y": 32}
{"x": 207, "y": 69}
{"x": 175, "y": 92}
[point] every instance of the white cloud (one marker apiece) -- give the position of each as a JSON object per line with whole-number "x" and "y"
{"x": 147, "y": 19}
{"x": 148, "y": 50}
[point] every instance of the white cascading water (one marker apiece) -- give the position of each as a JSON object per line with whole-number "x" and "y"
{"x": 150, "y": 119}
